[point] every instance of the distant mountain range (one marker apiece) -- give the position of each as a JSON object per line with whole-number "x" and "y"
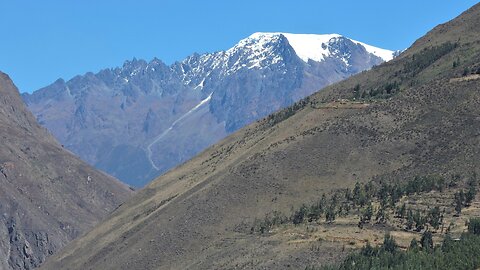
{"x": 140, "y": 120}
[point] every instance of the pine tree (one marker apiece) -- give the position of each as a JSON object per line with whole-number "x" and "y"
{"x": 474, "y": 226}
{"x": 383, "y": 193}
{"x": 330, "y": 214}
{"x": 458, "y": 201}
{"x": 434, "y": 217}
{"x": 368, "y": 213}
{"x": 348, "y": 195}
{"x": 470, "y": 195}
{"x": 427, "y": 240}
{"x": 368, "y": 250}
{"x": 402, "y": 211}
{"x": 299, "y": 215}
{"x": 381, "y": 216}
{"x": 410, "y": 220}
{"x": 359, "y": 196}
{"x": 356, "y": 91}
{"x": 447, "y": 243}
{"x": 413, "y": 244}
{"x": 396, "y": 195}
{"x": 419, "y": 221}
{"x": 389, "y": 243}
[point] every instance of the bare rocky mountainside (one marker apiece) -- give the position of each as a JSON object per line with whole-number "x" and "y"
{"x": 140, "y": 120}
{"x": 47, "y": 195}
{"x": 416, "y": 115}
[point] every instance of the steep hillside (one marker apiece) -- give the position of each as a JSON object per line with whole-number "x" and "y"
{"x": 140, "y": 120}
{"x": 47, "y": 196}
{"x": 416, "y": 115}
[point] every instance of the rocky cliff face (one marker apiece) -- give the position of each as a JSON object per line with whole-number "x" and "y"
{"x": 140, "y": 120}
{"x": 47, "y": 196}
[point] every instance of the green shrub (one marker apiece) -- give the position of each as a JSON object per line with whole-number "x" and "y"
{"x": 474, "y": 226}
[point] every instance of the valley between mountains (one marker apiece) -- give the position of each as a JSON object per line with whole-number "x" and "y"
{"x": 250, "y": 201}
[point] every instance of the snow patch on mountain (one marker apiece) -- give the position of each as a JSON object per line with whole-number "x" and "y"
{"x": 385, "y": 54}
{"x": 172, "y": 126}
{"x": 307, "y": 46}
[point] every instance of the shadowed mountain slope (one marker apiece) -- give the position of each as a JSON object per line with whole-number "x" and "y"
{"x": 415, "y": 115}
{"x": 47, "y": 195}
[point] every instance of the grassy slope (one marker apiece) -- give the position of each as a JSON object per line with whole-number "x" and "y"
{"x": 195, "y": 215}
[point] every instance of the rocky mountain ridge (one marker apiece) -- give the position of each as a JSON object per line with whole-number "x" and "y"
{"x": 47, "y": 195}
{"x": 136, "y": 122}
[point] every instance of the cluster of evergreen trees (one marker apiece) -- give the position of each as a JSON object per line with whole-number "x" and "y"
{"x": 412, "y": 67}
{"x": 390, "y": 194}
{"x": 456, "y": 254}
{"x": 426, "y": 57}
{"x": 419, "y": 220}
{"x": 382, "y": 92}
{"x": 284, "y": 114}
{"x": 468, "y": 71}
{"x": 462, "y": 198}
{"x": 327, "y": 208}
{"x": 361, "y": 201}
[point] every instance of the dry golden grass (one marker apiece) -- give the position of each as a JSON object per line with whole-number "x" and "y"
{"x": 429, "y": 127}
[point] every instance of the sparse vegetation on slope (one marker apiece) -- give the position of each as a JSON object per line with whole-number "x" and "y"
{"x": 461, "y": 253}
{"x": 423, "y": 208}
{"x": 429, "y": 128}
{"x": 394, "y": 204}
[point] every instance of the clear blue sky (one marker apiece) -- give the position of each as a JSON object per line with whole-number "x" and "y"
{"x": 42, "y": 41}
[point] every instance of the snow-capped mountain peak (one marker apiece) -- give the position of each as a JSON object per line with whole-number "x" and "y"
{"x": 155, "y": 108}
{"x": 256, "y": 41}
{"x": 307, "y": 46}
{"x": 264, "y": 50}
